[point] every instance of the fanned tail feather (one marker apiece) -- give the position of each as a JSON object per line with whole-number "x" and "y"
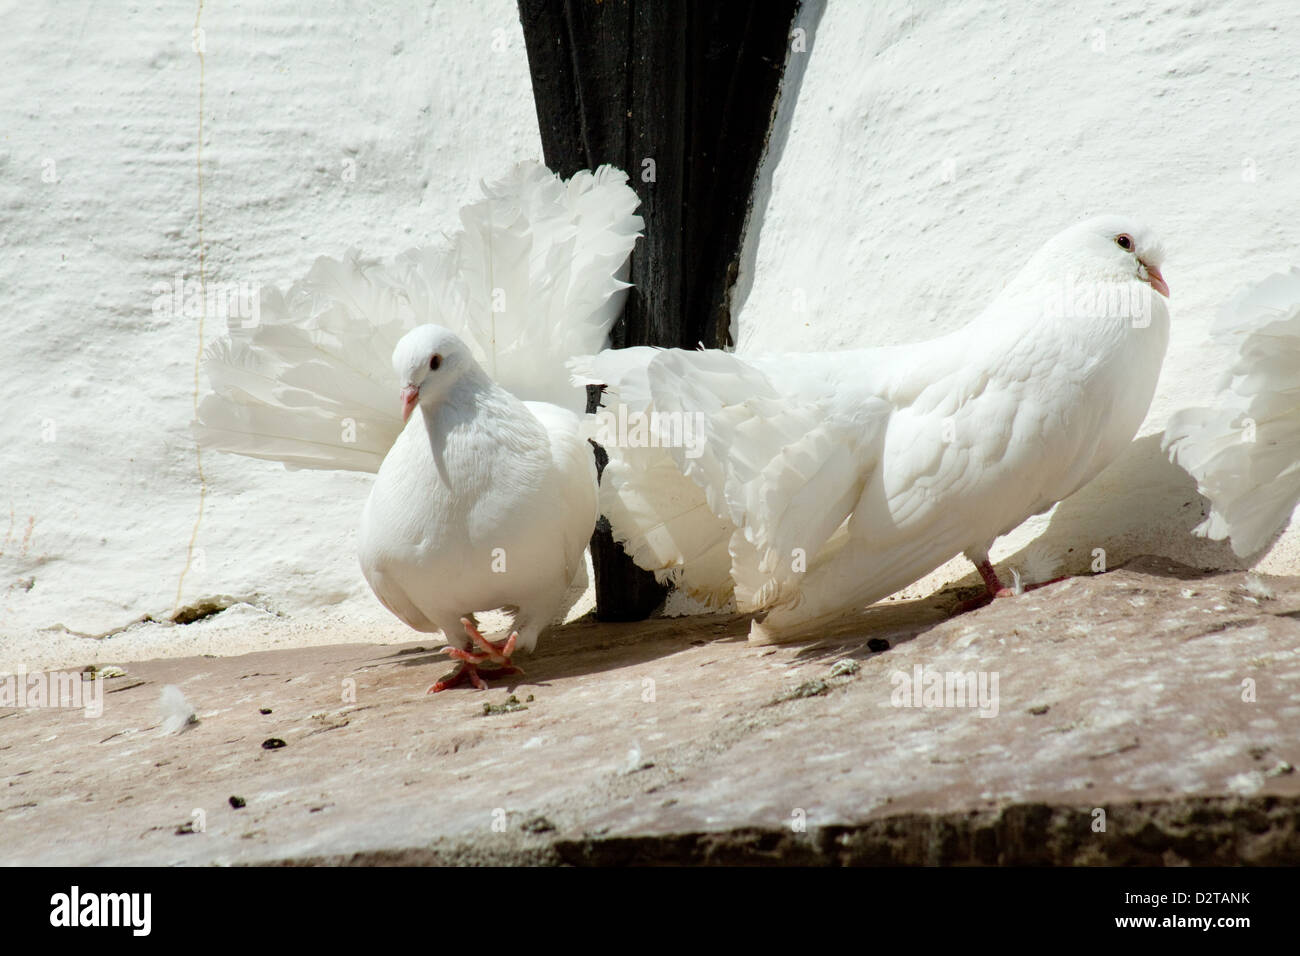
{"x": 310, "y": 384}
{"x": 1245, "y": 451}
{"x": 766, "y": 483}
{"x": 665, "y": 525}
{"x": 535, "y": 277}
{"x": 544, "y": 264}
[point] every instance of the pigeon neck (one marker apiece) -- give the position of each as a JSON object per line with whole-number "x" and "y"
{"x": 470, "y": 392}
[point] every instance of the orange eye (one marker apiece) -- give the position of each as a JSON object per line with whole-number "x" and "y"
{"x": 435, "y": 361}
{"x": 1124, "y": 241}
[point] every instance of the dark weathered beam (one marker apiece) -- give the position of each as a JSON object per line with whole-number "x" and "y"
{"x": 554, "y": 79}
{"x": 680, "y": 94}
{"x": 624, "y": 592}
{"x": 656, "y": 159}
{"x": 737, "y": 57}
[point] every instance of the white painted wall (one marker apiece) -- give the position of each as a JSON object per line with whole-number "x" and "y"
{"x": 425, "y": 98}
{"x": 1042, "y": 119}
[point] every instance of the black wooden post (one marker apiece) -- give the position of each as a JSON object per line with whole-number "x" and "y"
{"x": 680, "y": 94}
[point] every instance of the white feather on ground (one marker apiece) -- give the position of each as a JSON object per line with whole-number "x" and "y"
{"x": 830, "y": 480}
{"x": 1244, "y": 451}
{"x": 177, "y": 713}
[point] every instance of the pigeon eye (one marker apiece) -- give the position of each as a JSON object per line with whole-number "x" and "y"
{"x": 1124, "y": 241}
{"x": 435, "y": 361}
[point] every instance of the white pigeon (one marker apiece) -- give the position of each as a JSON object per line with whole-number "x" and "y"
{"x": 807, "y": 484}
{"x": 483, "y": 502}
{"x": 487, "y": 497}
{"x": 1244, "y": 452}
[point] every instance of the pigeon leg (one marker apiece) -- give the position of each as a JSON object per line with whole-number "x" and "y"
{"x": 992, "y": 582}
{"x": 995, "y": 588}
{"x": 500, "y": 653}
{"x": 467, "y": 672}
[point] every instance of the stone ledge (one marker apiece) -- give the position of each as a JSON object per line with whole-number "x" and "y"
{"x": 676, "y": 741}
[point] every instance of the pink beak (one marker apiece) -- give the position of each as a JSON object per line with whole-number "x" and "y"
{"x": 410, "y": 397}
{"x": 1157, "y": 280}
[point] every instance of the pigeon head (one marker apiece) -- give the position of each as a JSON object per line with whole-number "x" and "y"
{"x": 429, "y": 361}
{"x": 1112, "y": 249}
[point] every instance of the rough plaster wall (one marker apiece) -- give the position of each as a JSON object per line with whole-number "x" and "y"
{"x": 420, "y": 99}
{"x": 929, "y": 149}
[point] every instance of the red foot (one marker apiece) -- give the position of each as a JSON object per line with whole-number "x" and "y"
{"x": 996, "y": 589}
{"x": 467, "y": 672}
{"x": 464, "y": 674}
